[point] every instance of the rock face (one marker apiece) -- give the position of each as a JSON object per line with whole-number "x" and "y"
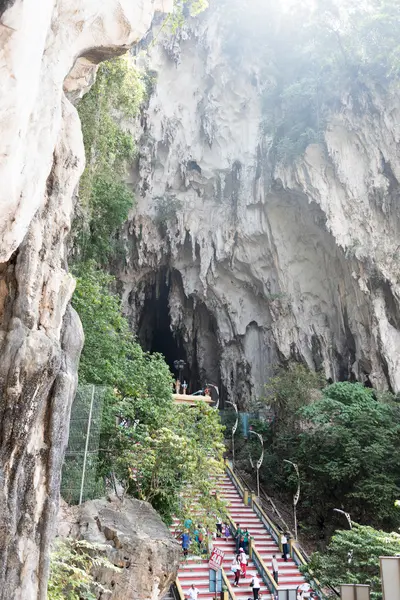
{"x": 261, "y": 263}
{"x": 136, "y": 541}
{"x": 44, "y": 47}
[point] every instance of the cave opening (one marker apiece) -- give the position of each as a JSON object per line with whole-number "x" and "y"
{"x": 194, "y": 340}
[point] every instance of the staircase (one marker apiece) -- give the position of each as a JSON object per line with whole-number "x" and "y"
{"x": 194, "y": 570}
{"x": 289, "y": 575}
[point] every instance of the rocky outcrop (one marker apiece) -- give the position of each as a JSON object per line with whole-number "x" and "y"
{"x": 284, "y": 262}
{"x": 43, "y": 47}
{"x": 136, "y": 541}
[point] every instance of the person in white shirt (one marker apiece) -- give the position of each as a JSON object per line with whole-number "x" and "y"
{"x": 255, "y": 584}
{"x": 305, "y": 588}
{"x": 285, "y": 547}
{"x": 275, "y": 568}
{"x": 243, "y": 562}
{"x": 193, "y": 593}
{"x": 235, "y": 568}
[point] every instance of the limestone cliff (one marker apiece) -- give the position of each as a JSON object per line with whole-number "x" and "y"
{"x": 260, "y": 263}
{"x": 48, "y": 51}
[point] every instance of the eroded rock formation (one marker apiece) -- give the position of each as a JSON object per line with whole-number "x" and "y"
{"x": 136, "y": 541}
{"x": 44, "y": 47}
{"x": 287, "y": 262}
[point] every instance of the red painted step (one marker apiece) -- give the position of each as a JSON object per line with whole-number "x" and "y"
{"x": 195, "y": 568}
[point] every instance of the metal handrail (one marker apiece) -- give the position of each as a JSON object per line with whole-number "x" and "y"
{"x": 181, "y": 595}
{"x": 271, "y": 527}
{"x": 235, "y": 480}
{"x": 228, "y": 586}
{"x": 273, "y": 530}
{"x": 264, "y": 572}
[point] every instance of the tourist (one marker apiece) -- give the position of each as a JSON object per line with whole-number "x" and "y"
{"x": 255, "y": 584}
{"x": 275, "y": 568}
{"x": 193, "y": 593}
{"x": 305, "y": 589}
{"x": 243, "y": 562}
{"x": 285, "y": 547}
{"x": 210, "y": 542}
{"x": 235, "y": 568}
{"x": 246, "y": 540}
{"x": 227, "y": 531}
{"x": 185, "y": 543}
{"x": 187, "y": 523}
{"x": 219, "y": 527}
{"x": 238, "y": 537}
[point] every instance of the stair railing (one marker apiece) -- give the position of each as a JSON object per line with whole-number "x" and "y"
{"x": 177, "y": 590}
{"x": 227, "y": 584}
{"x": 268, "y": 524}
{"x": 235, "y": 480}
{"x": 273, "y": 530}
{"x": 262, "y": 569}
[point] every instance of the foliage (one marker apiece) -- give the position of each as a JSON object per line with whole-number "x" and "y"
{"x": 340, "y": 439}
{"x": 157, "y": 462}
{"x": 111, "y": 356}
{"x": 105, "y": 197}
{"x": 290, "y": 389}
{"x": 71, "y": 570}
{"x": 316, "y": 56}
{"x": 153, "y": 448}
{"x": 353, "y": 557}
{"x": 183, "y": 9}
{"x": 167, "y": 209}
{"x": 351, "y": 436}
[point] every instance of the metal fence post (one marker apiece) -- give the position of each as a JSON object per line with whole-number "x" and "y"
{"x": 86, "y": 446}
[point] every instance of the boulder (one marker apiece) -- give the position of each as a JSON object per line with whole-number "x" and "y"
{"x": 136, "y": 541}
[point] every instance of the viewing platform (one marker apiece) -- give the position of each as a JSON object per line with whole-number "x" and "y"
{"x": 192, "y": 400}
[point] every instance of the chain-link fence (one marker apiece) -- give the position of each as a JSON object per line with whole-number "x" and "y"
{"x": 79, "y": 477}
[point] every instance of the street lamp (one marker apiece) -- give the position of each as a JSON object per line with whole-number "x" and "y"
{"x": 234, "y": 428}
{"x": 260, "y": 460}
{"x": 346, "y": 514}
{"x": 296, "y": 496}
{"x": 179, "y": 366}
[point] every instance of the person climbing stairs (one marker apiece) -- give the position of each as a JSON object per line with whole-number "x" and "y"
{"x": 195, "y": 569}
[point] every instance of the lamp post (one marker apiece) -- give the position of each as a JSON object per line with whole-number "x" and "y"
{"x": 179, "y": 366}
{"x": 260, "y": 460}
{"x": 346, "y": 514}
{"x": 234, "y": 428}
{"x": 296, "y": 496}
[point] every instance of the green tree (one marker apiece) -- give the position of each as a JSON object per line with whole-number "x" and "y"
{"x": 159, "y": 462}
{"x": 105, "y": 198}
{"x": 71, "y": 570}
{"x": 353, "y": 557}
{"x": 153, "y": 449}
{"x": 348, "y": 455}
{"x": 289, "y": 390}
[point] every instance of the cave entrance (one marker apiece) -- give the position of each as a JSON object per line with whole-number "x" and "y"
{"x": 194, "y": 340}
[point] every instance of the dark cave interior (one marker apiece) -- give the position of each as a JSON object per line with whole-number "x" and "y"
{"x": 200, "y": 353}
